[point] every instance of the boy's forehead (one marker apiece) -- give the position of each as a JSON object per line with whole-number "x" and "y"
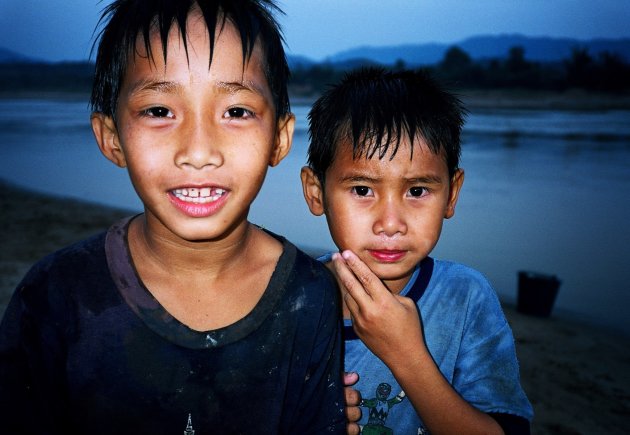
{"x": 196, "y": 26}
{"x": 418, "y": 162}
{"x": 233, "y": 71}
{"x": 196, "y": 31}
{"x": 388, "y": 149}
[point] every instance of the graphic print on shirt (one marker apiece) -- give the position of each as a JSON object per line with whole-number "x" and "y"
{"x": 189, "y": 429}
{"x": 379, "y": 408}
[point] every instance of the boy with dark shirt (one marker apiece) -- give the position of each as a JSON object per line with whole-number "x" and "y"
{"x": 186, "y": 317}
{"x": 427, "y": 337}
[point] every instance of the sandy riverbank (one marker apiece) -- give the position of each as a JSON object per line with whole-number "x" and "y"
{"x": 577, "y": 377}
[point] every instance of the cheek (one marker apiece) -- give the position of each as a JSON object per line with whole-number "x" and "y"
{"x": 136, "y": 147}
{"x": 148, "y": 161}
{"x": 426, "y": 231}
{"x": 348, "y": 229}
{"x": 249, "y": 153}
{"x": 249, "y": 163}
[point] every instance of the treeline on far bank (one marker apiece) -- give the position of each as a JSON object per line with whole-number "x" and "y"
{"x": 46, "y": 77}
{"x": 605, "y": 72}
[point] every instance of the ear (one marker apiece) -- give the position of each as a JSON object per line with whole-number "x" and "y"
{"x": 106, "y": 134}
{"x": 284, "y": 139}
{"x": 313, "y": 191}
{"x": 456, "y": 185}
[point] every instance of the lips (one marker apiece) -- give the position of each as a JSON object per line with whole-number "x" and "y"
{"x": 199, "y": 201}
{"x": 387, "y": 255}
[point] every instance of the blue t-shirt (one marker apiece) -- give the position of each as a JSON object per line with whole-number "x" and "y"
{"x": 469, "y": 339}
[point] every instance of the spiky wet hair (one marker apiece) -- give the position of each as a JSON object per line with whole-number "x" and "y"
{"x": 124, "y": 20}
{"x": 375, "y": 109}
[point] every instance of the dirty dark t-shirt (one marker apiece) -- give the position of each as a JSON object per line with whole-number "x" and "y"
{"x": 85, "y": 348}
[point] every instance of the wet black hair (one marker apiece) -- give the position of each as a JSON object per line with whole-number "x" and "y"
{"x": 374, "y": 109}
{"x": 124, "y": 20}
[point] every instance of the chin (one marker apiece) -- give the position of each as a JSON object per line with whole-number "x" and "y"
{"x": 391, "y": 272}
{"x": 197, "y": 233}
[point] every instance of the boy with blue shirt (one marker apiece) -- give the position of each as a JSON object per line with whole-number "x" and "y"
{"x": 186, "y": 317}
{"x": 428, "y": 339}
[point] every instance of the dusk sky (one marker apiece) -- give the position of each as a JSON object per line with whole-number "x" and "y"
{"x": 56, "y": 30}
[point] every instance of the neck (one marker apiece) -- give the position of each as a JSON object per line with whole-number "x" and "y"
{"x": 178, "y": 256}
{"x": 395, "y": 286}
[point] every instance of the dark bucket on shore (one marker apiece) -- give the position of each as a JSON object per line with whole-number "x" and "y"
{"x": 536, "y": 293}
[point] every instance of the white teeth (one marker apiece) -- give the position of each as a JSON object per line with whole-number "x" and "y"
{"x": 198, "y": 196}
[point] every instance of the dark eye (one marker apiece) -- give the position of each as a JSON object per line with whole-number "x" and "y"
{"x": 159, "y": 112}
{"x": 237, "y": 112}
{"x": 361, "y": 190}
{"x": 417, "y": 191}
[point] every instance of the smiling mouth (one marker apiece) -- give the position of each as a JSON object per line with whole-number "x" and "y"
{"x": 203, "y": 195}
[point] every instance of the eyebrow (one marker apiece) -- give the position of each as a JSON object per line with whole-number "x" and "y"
{"x": 169, "y": 87}
{"x": 164, "y": 87}
{"x": 235, "y": 87}
{"x": 357, "y": 179}
{"x": 429, "y": 179}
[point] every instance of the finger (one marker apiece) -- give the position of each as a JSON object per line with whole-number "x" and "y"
{"x": 352, "y": 429}
{"x": 349, "y": 281}
{"x": 352, "y": 306}
{"x": 368, "y": 279}
{"x": 337, "y": 263}
{"x": 352, "y": 396}
{"x": 353, "y": 414}
{"x": 350, "y": 378}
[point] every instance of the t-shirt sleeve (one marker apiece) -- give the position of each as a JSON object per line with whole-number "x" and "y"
{"x": 487, "y": 372}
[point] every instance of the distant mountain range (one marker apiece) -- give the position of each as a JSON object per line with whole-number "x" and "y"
{"x": 8, "y": 56}
{"x": 540, "y": 49}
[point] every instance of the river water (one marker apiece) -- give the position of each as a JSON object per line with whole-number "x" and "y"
{"x": 545, "y": 191}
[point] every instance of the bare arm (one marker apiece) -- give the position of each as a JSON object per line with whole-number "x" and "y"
{"x": 390, "y": 327}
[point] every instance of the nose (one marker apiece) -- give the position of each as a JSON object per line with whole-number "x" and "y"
{"x": 198, "y": 145}
{"x": 390, "y": 218}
